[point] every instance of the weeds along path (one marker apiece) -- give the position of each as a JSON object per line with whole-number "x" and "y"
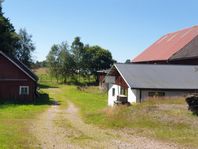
{"x": 59, "y": 128}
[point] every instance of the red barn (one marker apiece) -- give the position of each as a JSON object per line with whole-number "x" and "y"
{"x": 101, "y": 79}
{"x": 179, "y": 47}
{"x": 17, "y": 82}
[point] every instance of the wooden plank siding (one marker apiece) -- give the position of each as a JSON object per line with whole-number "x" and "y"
{"x": 120, "y": 81}
{"x": 11, "y": 78}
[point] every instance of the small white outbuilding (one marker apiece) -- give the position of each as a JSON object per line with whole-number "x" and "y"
{"x": 137, "y": 82}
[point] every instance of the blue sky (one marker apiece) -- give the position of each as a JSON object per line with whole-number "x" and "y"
{"x": 125, "y": 27}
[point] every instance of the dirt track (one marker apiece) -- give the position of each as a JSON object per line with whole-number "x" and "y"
{"x": 63, "y": 128}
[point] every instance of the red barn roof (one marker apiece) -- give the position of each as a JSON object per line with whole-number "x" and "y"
{"x": 168, "y": 45}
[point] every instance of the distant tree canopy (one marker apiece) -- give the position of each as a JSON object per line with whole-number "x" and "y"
{"x": 39, "y": 64}
{"x": 77, "y": 50}
{"x": 15, "y": 45}
{"x": 128, "y": 61}
{"x": 97, "y": 58}
{"x": 77, "y": 60}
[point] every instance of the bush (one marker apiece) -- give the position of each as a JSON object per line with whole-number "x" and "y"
{"x": 192, "y": 102}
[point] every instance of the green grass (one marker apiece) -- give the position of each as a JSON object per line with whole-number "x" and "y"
{"x": 47, "y": 80}
{"x": 90, "y": 100}
{"x": 14, "y": 123}
{"x": 15, "y": 120}
{"x": 164, "y": 119}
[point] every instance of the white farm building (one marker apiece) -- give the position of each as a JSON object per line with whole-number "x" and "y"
{"x": 137, "y": 82}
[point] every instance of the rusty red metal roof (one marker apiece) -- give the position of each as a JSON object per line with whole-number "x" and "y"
{"x": 167, "y": 45}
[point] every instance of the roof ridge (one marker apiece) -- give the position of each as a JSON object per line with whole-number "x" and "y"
{"x": 169, "y": 65}
{"x": 168, "y": 45}
{"x": 16, "y": 62}
{"x": 141, "y": 76}
{"x": 180, "y": 30}
{"x": 26, "y": 67}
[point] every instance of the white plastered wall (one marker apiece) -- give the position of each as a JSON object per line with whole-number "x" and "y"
{"x": 133, "y": 95}
{"x": 112, "y": 98}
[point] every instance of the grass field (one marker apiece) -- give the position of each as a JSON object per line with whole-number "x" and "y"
{"x": 167, "y": 120}
{"x": 15, "y": 120}
{"x": 159, "y": 118}
{"x": 14, "y": 123}
{"x": 162, "y": 119}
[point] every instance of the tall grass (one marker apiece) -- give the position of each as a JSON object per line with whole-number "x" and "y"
{"x": 166, "y": 119}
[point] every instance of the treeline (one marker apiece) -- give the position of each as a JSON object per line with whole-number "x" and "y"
{"x": 16, "y": 45}
{"x": 75, "y": 61}
{"x": 65, "y": 62}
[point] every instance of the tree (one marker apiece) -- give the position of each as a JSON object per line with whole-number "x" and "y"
{"x": 60, "y": 61}
{"x": 26, "y": 47}
{"x": 8, "y": 37}
{"x": 52, "y": 60}
{"x": 77, "y": 49}
{"x": 85, "y": 60}
{"x": 1, "y": 13}
{"x": 128, "y": 61}
{"x": 98, "y": 59}
{"x": 66, "y": 62}
{"x": 39, "y": 64}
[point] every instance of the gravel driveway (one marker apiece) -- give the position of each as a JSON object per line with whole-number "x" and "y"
{"x": 59, "y": 128}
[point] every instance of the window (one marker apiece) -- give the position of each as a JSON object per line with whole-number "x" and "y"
{"x": 123, "y": 91}
{"x": 113, "y": 92}
{"x": 156, "y": 94}
{"x": 24, "y": 90}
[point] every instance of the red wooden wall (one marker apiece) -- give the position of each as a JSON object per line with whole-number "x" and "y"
{"x": 11, "y": 78}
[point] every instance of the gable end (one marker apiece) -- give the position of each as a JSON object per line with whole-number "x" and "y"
{"x": 4, "y": 55}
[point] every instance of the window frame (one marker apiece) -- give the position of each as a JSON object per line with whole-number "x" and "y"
{"x": 113, "y": 92}
{"x": 123, "y": 91}
{"x": 21, "y": 90}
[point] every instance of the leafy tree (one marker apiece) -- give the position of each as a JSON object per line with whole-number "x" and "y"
{"x": 85, "y": 60}
{"x": 128, "y": 61}
{"x": 53, "y": 64}
{"x": 61, "y": 63}
{"x": 8, "y": 37}
{"x": 77, "y": 49}
{"x": 1, "y": 13}
{"x": 98, "y": 59}
{"x": 26, "y": 47}
{"x": 66, "y": 62}
{"x": 39, "y": 64}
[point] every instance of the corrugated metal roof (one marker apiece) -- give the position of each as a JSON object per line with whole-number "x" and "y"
{"x": 167, "y": 45}
{"x": 189, "y": 51}
{"x": 151, "y": 76}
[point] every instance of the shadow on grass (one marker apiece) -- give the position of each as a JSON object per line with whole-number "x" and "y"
{"x": 43, "y": 99}
{"x": 44, "y": 86}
